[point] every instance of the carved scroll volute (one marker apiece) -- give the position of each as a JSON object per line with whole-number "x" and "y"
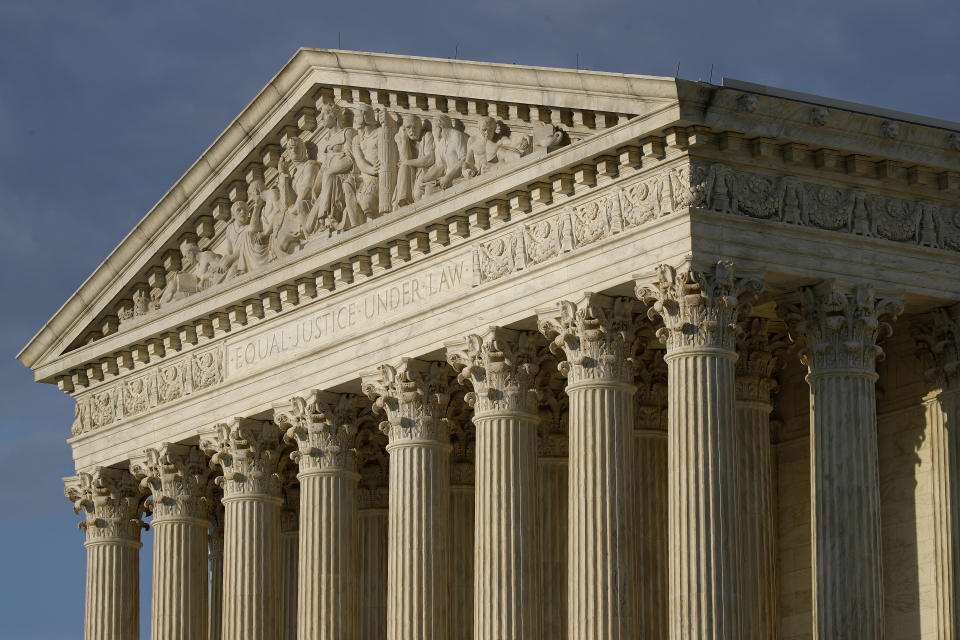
{"x": 323, "y": 427}
{"x": 177, "y": 477}
{"x": 501, "y": 367}
{"x": 413, "y": 395}
{"x": 838, "y": 325}
{"x": 599, "y": 336}
{"x": 112, "y": 501}
{"x": 937, "y": 337}
{"x": 699, "y": 308}
{"x": 248, "y": 452}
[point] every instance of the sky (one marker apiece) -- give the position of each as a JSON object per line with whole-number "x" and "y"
{"x": 104, "y": 105}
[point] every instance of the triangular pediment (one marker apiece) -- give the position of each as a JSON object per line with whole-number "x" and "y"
{"x": 336, "y": 142}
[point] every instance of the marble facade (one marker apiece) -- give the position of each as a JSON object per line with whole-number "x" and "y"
{"x": 428, "y": 349}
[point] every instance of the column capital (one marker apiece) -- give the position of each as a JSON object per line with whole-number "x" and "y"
{"x": 937, "y": 336}
{"x": 248, "y": 451}
{"x": 501, "y": 366}
{"x": 463, "y": 440}
{"x": 177, "y": 477}
{"x": 553, "y": 438}
{"x": 323, "y": 426}
{"x": 112, "y": 501}
{"x": 838, "y": 325}
{"x": 699, "y": 307}
{"x": 599, "y": 336}
{"x": 290, "y": 509}
{"x": 759, "y": 356}
{"x": 651, "y": 392}
{"x": 413, "y": 395}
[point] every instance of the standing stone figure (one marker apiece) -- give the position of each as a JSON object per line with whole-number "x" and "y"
{"x": 417, "y": 153}
{"x": 451, "y": 154}
{"x": 336, "y": 206}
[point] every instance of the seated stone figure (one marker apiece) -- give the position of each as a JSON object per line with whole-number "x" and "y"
{"x": 335, "y": 186}
{"x": 198, "y": 270}
{"x": 417, "y": 155}
{"x": 450, "y": 154}
{"x": 297, "y": 174}
{"x": 281, "y": 225}
{"x": 487, "y": 147}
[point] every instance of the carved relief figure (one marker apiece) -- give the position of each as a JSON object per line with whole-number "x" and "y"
{"x": 366, "y": 151}
{"x": 336, "y": 206}
{"x": 451, "y": 154}
{"x": 244, "y": 246}
{"x": 282, "y": 227}
{"x": 546, "y": 137}
{"x": 417, "y": 153}
{"x": 487, "y": 147}
{"x": 297, "y": 174}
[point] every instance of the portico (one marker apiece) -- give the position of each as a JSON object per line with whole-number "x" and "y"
{"x": 597, "y": 357}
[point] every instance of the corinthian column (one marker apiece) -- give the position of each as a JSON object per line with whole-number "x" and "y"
{"x": 113, "y": 504}
{"x": 598, "y": 336}
{"x": 650, "y": 446}
{"x": 215, "y": 557}
{"x": 756, "y": 365}
{"x": 248, "y": 452}
{"x": 413, "y": 395}
{"x": 323, "y": 426}
{"x": 838, "y": 326}
{"x": 552, "y": 472}
{"x": 938, "y": 339}
{"x": 176, "y": 476}
{"x": 373, "y": 527}
{"x": 501, "y": 366}
{"x": 289, "y": 550}
{"x": 699, "y": 310}
{"x": 462, "y": 522}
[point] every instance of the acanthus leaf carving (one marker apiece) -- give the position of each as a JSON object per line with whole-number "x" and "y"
{"x": 760, "y": 354}
{"x": 413, "y": 396}
{"x": 598, "y": 335}
{"x": 699, "y": 307}
{"x": 838, "y": 325}
{"x": 112, "y": 502}
{"x": 177, "y": 478}
{"x": 937, "y": 337}
{"x": 501, "y": 367}
{"x": 323, "y": 426}
{"x": 248, "y": 452}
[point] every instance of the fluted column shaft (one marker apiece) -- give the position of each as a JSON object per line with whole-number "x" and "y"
{"x": 372, "y": 616}
{"x": 704, "y": 576}
{"x": 289, "y": 565}
{"x": 598, "y": 335}
{"x": 700, "y": 310}
{"x": 553, "y": 505}
{"x": 113, "y": 504}
{"x": 215, "y": 599}
{"x": 462, "y": 528}
{"x": 177, "y": 477}
{"x": 248, "y": 452}
{"x": 943, "y": 412}
{"x": 847, "y": 556}
{"x": 653, "y": 547}
{"x": 838, "y": 326}
{"x": 113, "y": 590}
{"x": 413, "y": 394}
{"x": 506, "y": 586}
{"x": 757, "y": 518}
{"x": 179, "y": 604}
{"x": 328, "y": 555}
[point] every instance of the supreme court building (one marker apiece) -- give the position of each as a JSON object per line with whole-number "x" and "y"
{"x": 427, "y": 349}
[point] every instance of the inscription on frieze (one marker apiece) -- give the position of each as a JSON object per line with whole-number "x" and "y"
{"x": 358, "y": 313}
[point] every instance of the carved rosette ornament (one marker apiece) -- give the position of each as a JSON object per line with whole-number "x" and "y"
{"x": 413, "y": 395}
{"x": 112, "y": 502}
{"x": 838, "y": 326}
{"x": 501, "y": 366}
{"x": 177, "y": 478}
{"x": 323, "y": 427}
{"x": 699, "y": 308}
{"x": 248, "y": 452}
{"x": 599, "y": 336}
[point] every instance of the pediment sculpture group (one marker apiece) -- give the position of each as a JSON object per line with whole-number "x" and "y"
{"x": 369, "y": 161}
